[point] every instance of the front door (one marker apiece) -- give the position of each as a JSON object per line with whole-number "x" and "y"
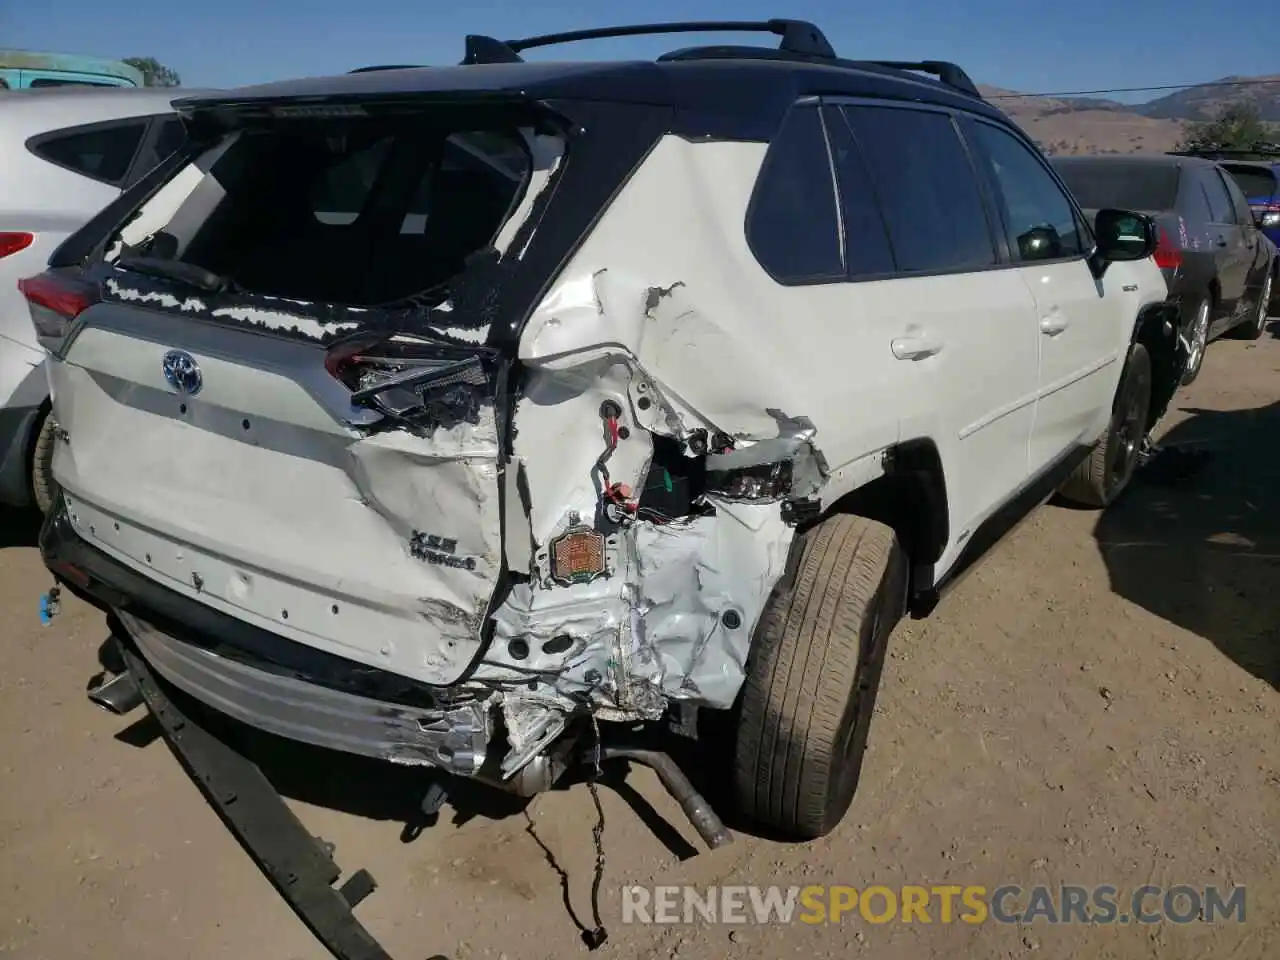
{"x": 1080, "y": 329}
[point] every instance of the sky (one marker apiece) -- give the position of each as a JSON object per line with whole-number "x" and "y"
{"x": 1026, "y": 46}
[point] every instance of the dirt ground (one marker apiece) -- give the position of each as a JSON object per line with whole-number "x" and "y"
{"x": 1097, "y": 703}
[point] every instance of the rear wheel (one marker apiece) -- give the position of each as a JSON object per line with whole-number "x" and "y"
{"x": 43, "y": 488}
{"x": 1197, "y": 339}
{"x": 813, "y": 676}
{"x": 1107, "y": 471}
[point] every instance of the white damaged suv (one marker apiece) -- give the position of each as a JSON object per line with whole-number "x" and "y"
{"x": 456, "y": 416}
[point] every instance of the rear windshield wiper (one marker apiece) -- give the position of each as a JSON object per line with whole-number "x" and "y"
{"x": 187, "y": 274}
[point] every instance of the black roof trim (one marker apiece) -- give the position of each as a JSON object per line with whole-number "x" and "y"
{"x": 798, "y": 36}
{"x": 1260, "y": 151}
{"x": 386, "y": 66}
{"x": 949, "y": 73}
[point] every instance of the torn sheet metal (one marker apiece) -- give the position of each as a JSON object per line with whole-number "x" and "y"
{"x": 705, "y": 373}
{"x": 703, "y": 585}
{"x": 674, "y": 622}
{"x": 794, "y": 445}
{"x": 441, "y": 496}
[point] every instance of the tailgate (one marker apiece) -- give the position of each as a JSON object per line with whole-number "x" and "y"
{"x": 275, "y": 383}
{"x": 230, "y": 466}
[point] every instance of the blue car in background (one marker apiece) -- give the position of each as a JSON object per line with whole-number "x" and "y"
{"x": 30, "y": 70}
{"x": 1259, "y": 181}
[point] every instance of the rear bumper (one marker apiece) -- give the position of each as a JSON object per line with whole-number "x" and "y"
{"x": 267, "y": 681}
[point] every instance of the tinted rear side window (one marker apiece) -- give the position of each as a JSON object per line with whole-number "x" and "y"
{"x": 103, "y": 152}
{"x": 792, "y": 226}
{"x": 1258, "y": 184}
{"x": 1125, "y": 185}
{"x": 866, "y": 242}
{"x": 1215, "y": 189}
{"x": 927, "y": 189}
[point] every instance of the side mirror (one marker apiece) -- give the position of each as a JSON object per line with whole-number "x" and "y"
{"x": 1124, "y": 235}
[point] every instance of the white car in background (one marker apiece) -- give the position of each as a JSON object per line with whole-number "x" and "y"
{"x": 69, "y": 151}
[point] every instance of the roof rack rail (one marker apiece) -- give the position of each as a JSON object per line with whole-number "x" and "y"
{"x": 386, "y": 66}
{"x": 798, "y": 36}
{"x": 949, "y": 73}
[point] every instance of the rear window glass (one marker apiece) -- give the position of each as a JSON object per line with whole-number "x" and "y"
{"x": 365, "y": 216}
{"x": 1255, "y": 183}
{"x": 1120, "y": 184}
{"x": 103, "y": 152}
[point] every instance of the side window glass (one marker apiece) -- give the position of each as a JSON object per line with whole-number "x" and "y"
{"x": 167, "y": 135}
{"x": 1193, "y": 202}
{"x": 1219, "y": 199}
{"x": 791, "y": 226}
{"x": 1240, "y": 211}
{"x": 169, "y": 138}
{"x": 927, "y": 189}
{"x": 867, "y": 252}
{"x": 340, "y": 192}
{"x": 1039, "y": 219}
{"x": 103, "y": 153}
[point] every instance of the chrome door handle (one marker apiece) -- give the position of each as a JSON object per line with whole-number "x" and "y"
{"x": 915, "y": 348}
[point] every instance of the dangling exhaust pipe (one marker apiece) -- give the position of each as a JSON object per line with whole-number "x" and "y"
{"x": 117, "y": 694}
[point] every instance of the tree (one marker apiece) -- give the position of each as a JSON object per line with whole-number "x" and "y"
{"x": 1238, "y": 126}
{"x": 154, "y": 73}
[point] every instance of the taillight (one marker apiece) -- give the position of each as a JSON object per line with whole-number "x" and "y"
{"x": 343, "y": 359}
{"x": 1268, "y": 215}
{"x": 1168, "y": 256}
{"x": 413, "y": 378}
{"x": 55, "y": 301}
{"x": 11, "y": 243}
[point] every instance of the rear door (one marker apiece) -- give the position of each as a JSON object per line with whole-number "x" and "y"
{"x": 1231, "y": 255}
{"x": 959, "y": 334}
{"x": 1255, "y": 251}
{"x": 1081, "y": 321}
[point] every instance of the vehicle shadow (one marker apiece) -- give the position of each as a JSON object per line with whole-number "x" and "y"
{"x": 18, "y": 528}
{"x": 1203, "y": 551}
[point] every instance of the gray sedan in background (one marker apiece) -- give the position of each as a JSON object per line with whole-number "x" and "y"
{"x": 1219, "y": 266}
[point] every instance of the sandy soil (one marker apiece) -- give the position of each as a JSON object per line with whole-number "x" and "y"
{"x": 1097, "y": 703}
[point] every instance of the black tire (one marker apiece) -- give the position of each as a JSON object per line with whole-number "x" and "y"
{"x": 1201, "y": 312}
{"x": 1253, "y": 327}
{"x": 1102, "y": 477}
{"x": 44, "y": 489}
{"x": 813, "y": 676}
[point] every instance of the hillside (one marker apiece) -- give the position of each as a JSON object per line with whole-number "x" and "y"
{"x": 1089, "y": 125}
{"x": 1063, "y": 127}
